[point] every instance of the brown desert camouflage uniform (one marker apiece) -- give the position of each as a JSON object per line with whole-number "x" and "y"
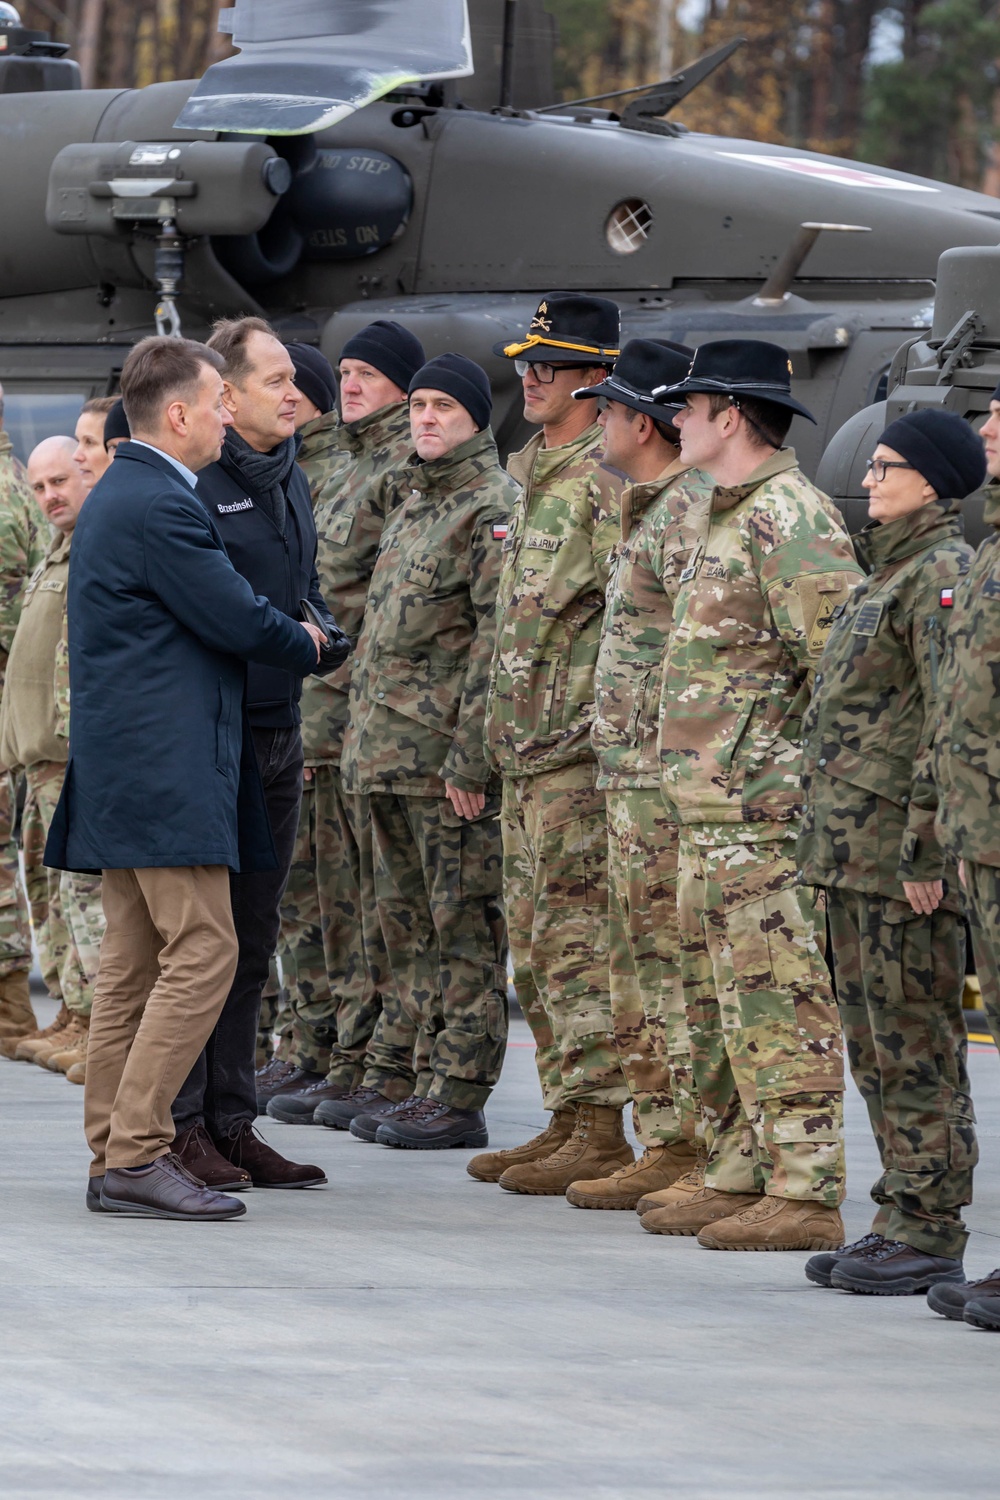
{"x": 750, "y": 621}
{"x": 539, "y": 716}
{"x": 329, "y": 952}
{"x": 418, "y": 691}
{"x": 967, "y": 752}
{"x": 67, "y": 917}
{"x": 868, "y": 825}
{"x": 659, "y": 527}
{"x": 22, "y": 546}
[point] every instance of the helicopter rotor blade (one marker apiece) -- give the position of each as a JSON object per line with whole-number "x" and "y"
{"x": 305, "y": 64}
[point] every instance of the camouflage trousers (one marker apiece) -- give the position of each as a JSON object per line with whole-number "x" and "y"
{"x": 647, "y": 998}
{"x": 330, "y": 997}
{"x": 763, "y": 1024}
{"x": 15, "y": 929}
{"x": 982, "y": 907}
{"x": 899, "y": 981}
{"x": 437, "y": 893}
{"x": 555, "y": 881}
{"x": 67, "y": 917}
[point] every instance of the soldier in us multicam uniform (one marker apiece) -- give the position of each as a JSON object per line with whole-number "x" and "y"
{"x": 661, "y": 511}
{"x": 66, "y": 911}
{"x": 750, "y": 621}
{"x": 541, "y": 708}
{"x": 892, "y": 892}
{"x": 347, "y": 1040}
{"x": 21, "y": 549}
{"x": 414, "y": 746}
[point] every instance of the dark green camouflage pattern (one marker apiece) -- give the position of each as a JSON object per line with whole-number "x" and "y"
{"x": 900, "y": 978}
{"x": 870, "y": 796}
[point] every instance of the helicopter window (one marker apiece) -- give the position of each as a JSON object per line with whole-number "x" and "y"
{"x": 30, "y": 418}
{"x": 628, "y": 226}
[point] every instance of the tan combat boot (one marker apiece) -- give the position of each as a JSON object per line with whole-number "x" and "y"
{"x": 657, "y": 1168}
{"x": 73, "y": 1048}
{"x": 17, "y": 1019}
{"x": 77, "y": 1073}
{"x": 72, "y": 1035}
{"x": 696, "y": 1210}
{"x": 489, "y": 1166}
{"x": 777, "y": 1224}
{"x": 596, "y": 1147}
{"x": 691, "y": 1182}
{"x": 24, "y": 1050}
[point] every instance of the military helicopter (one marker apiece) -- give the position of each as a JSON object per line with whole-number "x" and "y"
{"x": 365, "y": 158}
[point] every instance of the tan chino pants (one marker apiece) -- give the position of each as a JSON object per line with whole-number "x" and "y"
{"x": 168, "y": 960}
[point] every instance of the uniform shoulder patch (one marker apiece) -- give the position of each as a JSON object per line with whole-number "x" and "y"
{"x": 868, "y": 618}
{"x": 500, "y": 530}
{"x": 947, "y": 599}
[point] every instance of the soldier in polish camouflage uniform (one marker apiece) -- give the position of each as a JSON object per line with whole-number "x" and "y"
{"x": 66, "y": 911}
{"x": 346, "y": 1038}
{"x": 892, "y": 892}
{"x": 661, "y": 512}
{"x": 539, "y": 717}
{"x": 21, "y": 549}
{"x": 750, "y": 621}
{"x": 414, "y": 746}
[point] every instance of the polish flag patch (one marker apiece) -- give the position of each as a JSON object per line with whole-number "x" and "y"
{"x": 500, "y": 531}
{"x": 947, "y": 600}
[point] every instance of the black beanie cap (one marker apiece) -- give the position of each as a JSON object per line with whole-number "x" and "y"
{"x": 389, "y": 348}
{"x": 942, "y": 447}
{"x": 461, "y": 378}
{"x": 116, "y": 423}
{"x": 314, "y": 376}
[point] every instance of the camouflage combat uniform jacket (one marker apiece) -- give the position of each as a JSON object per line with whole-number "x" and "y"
{"x": 750, "y": 622}
{"x": 22, "y": 542}
{"x": 967, "y": 745}
{"x": 866, "y": 774}
{"x": 550, "y": 606}
{"x": 421, "y": 667}
{"x": 659, "y": 529}
{"x": 350, "y": 467}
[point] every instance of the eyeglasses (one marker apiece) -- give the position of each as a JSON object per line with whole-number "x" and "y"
{"x": 543, "y": 373}
{"x": 877, "y": 467}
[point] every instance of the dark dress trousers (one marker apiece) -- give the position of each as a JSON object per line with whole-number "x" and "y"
{"x": 160, "y": 628}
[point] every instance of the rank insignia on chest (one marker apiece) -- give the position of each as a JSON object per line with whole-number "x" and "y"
{"x": 868, "y": 618}
{"x": 500, "y": 531}
{"x": 687, "y": 574}
{"x": 947, "y": 599}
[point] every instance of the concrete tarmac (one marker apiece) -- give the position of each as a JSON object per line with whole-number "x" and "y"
{"x": 410, "y": 1334}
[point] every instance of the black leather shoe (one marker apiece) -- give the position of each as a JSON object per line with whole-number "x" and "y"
{"x": 983, "y": 1312}
{"x": 429, "y": 1125}
{"x": 94, "y": 1185}
{"x": 337, "y": 1114}
{"x": 819, "y": 1268}
{"x": 284, "y": 1078}
{"x": 165, "y": 1190}
{"x": 365, "y": 1126}
{"x": 894, "y": 1270}
{"x": 299, "y": 1108}
{"x": 267, "y": 1167}
{"x": 950, "y": 1299}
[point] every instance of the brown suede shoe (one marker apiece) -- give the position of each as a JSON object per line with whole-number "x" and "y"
{"x": 198, "y": 1155}
{"x": 597, "y": 1147}
{"x": 776, "y": 1224}
{"x": 267, "y": 1167}
{"x": 11, "y": 1047}
{"x": 658, "y": 1167}
{"x": 696, "y": 1210}
{"x": 17, "y": 1019}
{"x": 165, "y": 1190}
{"x": 490, "y": 1166}
{"x": 691, "y": 1182}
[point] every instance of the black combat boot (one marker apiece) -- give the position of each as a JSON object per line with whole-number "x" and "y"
{"x": 300, "y": 1108}
{"x": 428, "y": 1125}
{"x": 365, "y": 1126}
{"x": 893, "y": 1269}
{"x": 983, "y": 1312}
{"x": 951, "y": 1298}
{"x": 337, "y": 1114}
{"x": 819, "y": 1268}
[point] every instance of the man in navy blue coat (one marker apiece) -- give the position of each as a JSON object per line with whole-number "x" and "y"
{"x": 161, "y": 794}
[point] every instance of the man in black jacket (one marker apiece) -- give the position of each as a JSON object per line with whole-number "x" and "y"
{"x": 259, "y": 499}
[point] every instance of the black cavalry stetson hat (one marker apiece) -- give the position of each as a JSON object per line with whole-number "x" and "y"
{"x": 569, "y": 328}
{"x": 739, "y": 367}
{"x": 643, "y": 366}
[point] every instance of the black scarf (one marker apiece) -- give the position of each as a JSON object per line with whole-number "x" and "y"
{"x": 266, "y": 474}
